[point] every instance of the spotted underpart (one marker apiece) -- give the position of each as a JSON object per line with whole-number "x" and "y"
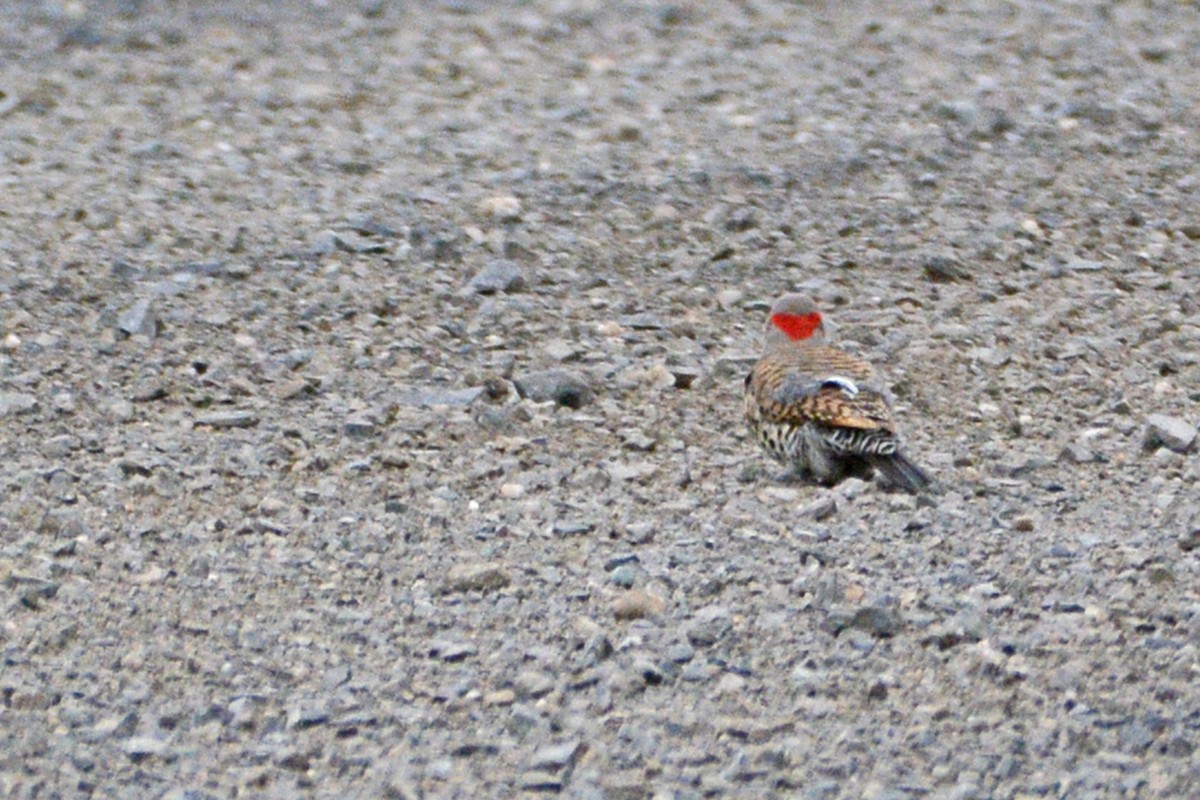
{"x": 818, "y": 452}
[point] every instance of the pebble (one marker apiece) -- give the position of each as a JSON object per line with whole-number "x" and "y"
{"x": 632, "y": 471}
{"x": 683, "y": 377}
{"x": 945, "y": 269}
{"x": 499, "y": 275}
{"x": 476, "y": 578}
{"x": 733, "y": 366}
{"x": 642, "y": 322}
{"x": 304, "y": 716}
{"x": 1171, "y": 432}
{"x": 142, "y": 747}
{"x": 432, "y": 398}
{"x": 359, "y": 427}
{"x": 327, "y": 242}
{"x": 625, "y": 576}
{"x": 709, "y": 625}
{"x": 500, "y": 697}
{"x": 572, "y": 527}
{"x": 638, "y": 440}
{"x": 148, "y": 390}
{"x": 875, "y": 620}
{"x": 533, "y": 683}
{"x": 557, "y": 385}
{"x": 138, "y": 319}
{"x": 640, "y": 532}
{"x": 638, "y": 604}
{"x": 13, "y": 403}
{"x": 558, "y": 756}
{"x": 681, "y": 653}
{"x": 222, "y": 420}
{"x": 295, "y": 387}
{"x": 1189, "y": 541}
{"x": 505, "y": 208}
{"x": 61, "y": 446}
{"x": 540, "y": 781}
{"x": 821, "y": 509}
{"x": 452, "y": 651}
{"x": 1078, "y": 453}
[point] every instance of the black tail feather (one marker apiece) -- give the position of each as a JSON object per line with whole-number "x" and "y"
{"x": 901, "y": 472}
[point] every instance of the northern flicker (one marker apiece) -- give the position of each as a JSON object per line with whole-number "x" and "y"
{"x": 820, "y": 411}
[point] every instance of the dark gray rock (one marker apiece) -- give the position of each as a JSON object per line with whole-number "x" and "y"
{"x": 562, "y": 387}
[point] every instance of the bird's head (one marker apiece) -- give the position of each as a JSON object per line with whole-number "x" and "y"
{"x": 794, "y": 318}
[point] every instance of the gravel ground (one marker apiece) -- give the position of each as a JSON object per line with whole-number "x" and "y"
{"x": 370, "y": 399}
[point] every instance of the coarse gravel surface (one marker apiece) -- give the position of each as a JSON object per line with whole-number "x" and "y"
{"x": 370, "y": 384}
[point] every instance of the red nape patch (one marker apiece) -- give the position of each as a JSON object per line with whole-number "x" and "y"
{"x": 797, "y": 326}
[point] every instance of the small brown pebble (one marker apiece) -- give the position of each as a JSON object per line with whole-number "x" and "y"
{"x": 638, "y": 604}
{"x": 476, "y": 577}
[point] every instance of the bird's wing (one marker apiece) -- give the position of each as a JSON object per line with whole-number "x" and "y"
{"x": 835, "y": 402}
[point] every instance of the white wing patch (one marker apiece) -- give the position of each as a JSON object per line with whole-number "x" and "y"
{"x": 842, "y": 382}
{"x": 794, "y": 389}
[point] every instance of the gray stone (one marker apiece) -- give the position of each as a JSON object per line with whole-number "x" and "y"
{"x": 684, "y": 376}
{"x": 180, "y": 793}
{"x": 572, "y": 527}
{"x": 228, "y": 419}
{"x": 307, "y": 716}
{"x": 12, "y": 403}
{"x": 327, "y": 242}
{"x": 821, "y": 509}
{"x": 558, "y": 385}
{"x": 541, "y": 781}
{"x": 532, "y": 684}
{"x": 1077, "y": 453}
{"x": 733, "y": 366}
{"x": 944, "y": 269}
{"x": 642, "y": 322}
{"x": 452, "y": 650}
{"x": 709, "y": 625}
{"x": 477, "y": 577}
{"x": 558, "y": 756}
{"x": 60, "y": 446}
{"x": 877, "y": 620}
{"x": 140, "y": 747}
{"x": 359, "y": 427}
{"x": 500, "y": 275}
{"x": 626, "y": 575}
{"x": 429, "y": 398}
{"x": 1170, "y": 432}
{"x": 138, "y": 319}
{"x": 681, "y": 653}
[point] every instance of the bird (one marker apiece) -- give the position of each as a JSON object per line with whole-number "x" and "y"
{"x": 819, "y": 411}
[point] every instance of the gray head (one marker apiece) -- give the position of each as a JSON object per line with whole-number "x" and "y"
{"x": 794, "y": 318}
